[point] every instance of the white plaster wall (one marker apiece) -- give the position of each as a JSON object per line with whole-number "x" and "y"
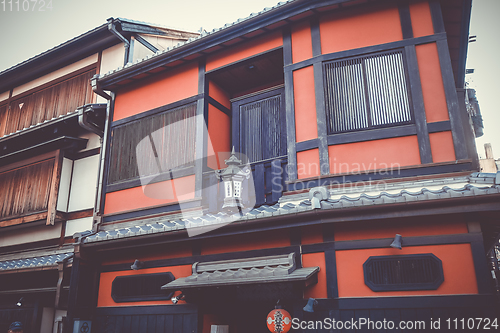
{"x": 47, "y": 320}
{"x": 94, "y": 141}
{"x": 56, "y": 74}
{"x": 73, "y": 226}
{"x": 140, "y": 51}
{"x": 31, "y": 234}
{"x": 4, "y": 96}
{"x": 83, "y": 183}
{"x": 58, "y": 317}
{"x": 112, "y": 58}
{"x": 63, "y": 195}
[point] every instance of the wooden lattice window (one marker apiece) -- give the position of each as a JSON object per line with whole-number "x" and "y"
{"x": 404, "y": 272}
{"x": 26, "y": 189}
{"x": 49, "y": 103}
{"x": 367, "y": 92}
{"x": 144, "y": 287}
{"x": 259, "y": 126}
{"x": 153, "y": 145}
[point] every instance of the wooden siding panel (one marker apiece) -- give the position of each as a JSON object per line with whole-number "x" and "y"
{"x": 458, "y": 269}
{"x": 52, "y": 102}
{"x": 346, "y": 30}
{"x": 3, "y": 119}
{"x": 26, "y": 189}
{"x": 266, "y": 240}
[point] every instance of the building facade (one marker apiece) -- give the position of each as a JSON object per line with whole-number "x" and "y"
{"x": 51, "y": 128}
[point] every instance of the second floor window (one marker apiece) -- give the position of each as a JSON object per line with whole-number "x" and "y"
{"x": 367, "y": 92}
{"x": 153, "y": 145}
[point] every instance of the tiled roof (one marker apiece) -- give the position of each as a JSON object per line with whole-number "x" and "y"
{"x": 202, "y": 35}
{"x": 404, "y": 192}
{"x": 243, "y": 271}
{"x": 70, "y": 114}
{"x": 49, "y": 259}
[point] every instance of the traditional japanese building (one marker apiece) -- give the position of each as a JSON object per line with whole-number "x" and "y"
{"x": 51, "y": 128}
{"x": 364, "y": 192}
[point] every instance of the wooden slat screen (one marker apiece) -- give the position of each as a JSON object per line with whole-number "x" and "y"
{"x": 25, "y": 190}
{"x": 153, "y": 145}
{"x": 403, "y": 272}
{"x": 367, "y": 92}
{"x": 260, "y": 129}
{"x": 49, "y": 103}
{"x": 3, "y": 119}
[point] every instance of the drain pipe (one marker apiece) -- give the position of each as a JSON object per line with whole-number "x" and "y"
{"x": 126, "y": 42}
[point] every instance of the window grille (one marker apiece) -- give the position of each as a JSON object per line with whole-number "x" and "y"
{"x": 367, "y": 92}
{"x": 407, "y": 272}
{"x": 261, "y": 125}
{"x": 153, "y": 145}
{"x": 145, "y": 287}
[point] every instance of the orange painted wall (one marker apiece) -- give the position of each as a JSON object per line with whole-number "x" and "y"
{"x": 218, "y": 94}
{"x": 244, "y": 50}
{"x": 253, "y": 241}
{"x": 421, "y": 20}
{"x": 372, "y": 155}
{"x": 311, "y": 234}
{"x": 301, "y": 42}
{"x": 308, "y": 164}
{"x": 134, "y": 198}
{"x": 346, "y": 30}
{"x": 168, "y": 251}
{"x": 432, "y": 83}
{"x": 219, "y": 131}
{"x": 174, "y": 85}
{"x": 442, "y": 147}
{"x": 458, "y": 269}
{"x": 106, "y": 280}
{"x": 318, "y": 290}
{"x": 306, "y": 127}
{"x": 351, "y": 231}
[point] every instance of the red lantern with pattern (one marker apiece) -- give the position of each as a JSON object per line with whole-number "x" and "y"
{"x": 279, "y": 321}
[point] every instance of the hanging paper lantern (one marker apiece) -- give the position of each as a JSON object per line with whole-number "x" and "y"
{"x": 279, "y": 321}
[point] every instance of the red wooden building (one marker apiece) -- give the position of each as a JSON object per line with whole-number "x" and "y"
{"x": 353, "y": 120}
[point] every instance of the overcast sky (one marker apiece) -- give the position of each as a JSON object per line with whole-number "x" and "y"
{"x": 25, "y": 32}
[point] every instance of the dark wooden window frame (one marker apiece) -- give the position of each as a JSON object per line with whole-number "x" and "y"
{"x": 361, "y": 56}
{"x": 131, "y": 279}
{"x": 432, "y": 261}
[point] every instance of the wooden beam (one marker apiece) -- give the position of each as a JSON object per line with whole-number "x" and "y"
{"x": 290, "y": 107}
{"x": 54, "y": 188}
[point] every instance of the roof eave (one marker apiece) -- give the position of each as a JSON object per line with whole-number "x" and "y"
{"x": 249, "y": 25}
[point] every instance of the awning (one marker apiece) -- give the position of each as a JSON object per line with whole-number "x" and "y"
{"x": 33, "y": 261}
{"x": 269, "y": 269}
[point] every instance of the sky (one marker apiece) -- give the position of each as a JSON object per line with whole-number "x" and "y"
{"x": 28, "y": 28}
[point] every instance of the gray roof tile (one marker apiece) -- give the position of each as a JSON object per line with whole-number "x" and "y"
{"x": 343, "y": 202}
